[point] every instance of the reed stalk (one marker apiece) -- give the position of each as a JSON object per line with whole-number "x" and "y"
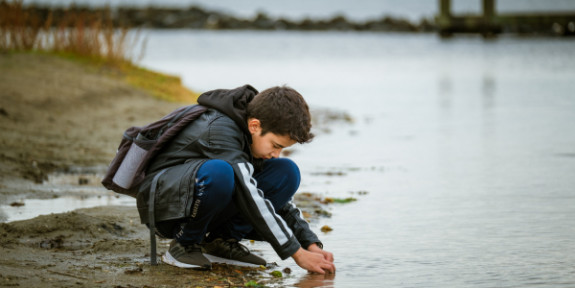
{"x": 81, "y": 33}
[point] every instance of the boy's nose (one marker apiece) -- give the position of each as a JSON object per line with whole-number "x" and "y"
{"x": 276, "y": 153}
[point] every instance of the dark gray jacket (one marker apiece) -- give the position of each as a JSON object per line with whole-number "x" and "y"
{"x": 222, "y": 133}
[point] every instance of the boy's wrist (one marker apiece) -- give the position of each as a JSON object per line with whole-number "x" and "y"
{"x": 297, "y": 254}
{"x": 315, "y": 245}
{"x": 314, "y": 248}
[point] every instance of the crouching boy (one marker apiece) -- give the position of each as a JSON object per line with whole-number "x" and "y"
{"x": 222, "y": 181}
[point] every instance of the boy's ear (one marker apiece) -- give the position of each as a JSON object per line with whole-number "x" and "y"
{"x": 254, "y": 125}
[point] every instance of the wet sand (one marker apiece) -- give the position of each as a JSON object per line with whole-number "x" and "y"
{"x": 98, "y": 247}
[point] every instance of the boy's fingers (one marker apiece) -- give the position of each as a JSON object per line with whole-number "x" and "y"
{"x": 319, "y": 270}
{"x": 329, "y": 257}
{"x": 329, "y": 267}
{"x": 324, "y": 268}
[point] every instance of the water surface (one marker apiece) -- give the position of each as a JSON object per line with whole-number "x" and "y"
{"x": 466, "y": 148}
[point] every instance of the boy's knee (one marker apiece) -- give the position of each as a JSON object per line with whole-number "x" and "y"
{"x": 217, "y": 176}
{"x": 280, "y": 177}
{"x": 289, "y": 169}
{"x": 290, "y": 165}
{"x": 218, "y": 168}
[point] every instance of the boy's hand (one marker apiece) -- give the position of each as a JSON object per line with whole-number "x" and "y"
{"x": 313, "y": 262}
{"x": 327, "y": 255}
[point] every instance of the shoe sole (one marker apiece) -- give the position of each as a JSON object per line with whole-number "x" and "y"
{"x": 169, "y": 259}
{"x": 216, "y": 259}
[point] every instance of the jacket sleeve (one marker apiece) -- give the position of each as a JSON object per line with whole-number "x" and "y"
{"x": 224, "y": 140}
{"x": 295, "y": 220}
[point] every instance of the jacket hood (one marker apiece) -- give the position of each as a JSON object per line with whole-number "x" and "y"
{"x": 232, "y": 102}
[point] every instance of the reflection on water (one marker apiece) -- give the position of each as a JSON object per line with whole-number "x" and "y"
{"x": 316, "y": 280}
{"x": 33, "y": 207}
{"x": 69, "y": 191}
{"x": 488, "y": 91}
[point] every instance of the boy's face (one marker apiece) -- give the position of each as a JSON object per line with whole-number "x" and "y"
{"x": 269, "y": 145}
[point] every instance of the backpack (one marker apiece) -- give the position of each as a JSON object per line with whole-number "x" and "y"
{"x": 139, "y": 145}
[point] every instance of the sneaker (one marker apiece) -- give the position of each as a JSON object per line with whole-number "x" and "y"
{"x": 231, "y": 252}
{"x": 186, "y": 256}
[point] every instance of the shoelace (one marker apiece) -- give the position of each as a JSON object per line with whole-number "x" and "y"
{"x": 238, "y": 249}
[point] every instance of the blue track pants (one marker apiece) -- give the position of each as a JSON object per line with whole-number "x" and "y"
{"x": 213, "y": 210}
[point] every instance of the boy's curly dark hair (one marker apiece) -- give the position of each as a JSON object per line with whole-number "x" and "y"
{"x": 282, "y": 111}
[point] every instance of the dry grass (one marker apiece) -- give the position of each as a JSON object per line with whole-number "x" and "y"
{"x": 166, "y": 87}
{"x": 80, "y": 33}
{"x": 88, "y": 37}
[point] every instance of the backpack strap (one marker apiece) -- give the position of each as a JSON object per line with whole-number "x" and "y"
{"x": 151, "y": 218}
{"x": 176, "y": 118}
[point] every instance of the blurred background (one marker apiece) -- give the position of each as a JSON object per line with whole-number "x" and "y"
{"x": 299, "y": 9}
{"x": 457, "y": 139}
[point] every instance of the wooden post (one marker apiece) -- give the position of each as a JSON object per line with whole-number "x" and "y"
{"x": 488, "y": 9}
{"x": 444, "y": 18}
{"x": 488, "y": 28}
{"x": 445, "y": 8}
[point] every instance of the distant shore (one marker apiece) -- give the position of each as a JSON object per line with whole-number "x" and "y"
{"x": 195, "y": 17}
{"x": 198, "y": 18}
